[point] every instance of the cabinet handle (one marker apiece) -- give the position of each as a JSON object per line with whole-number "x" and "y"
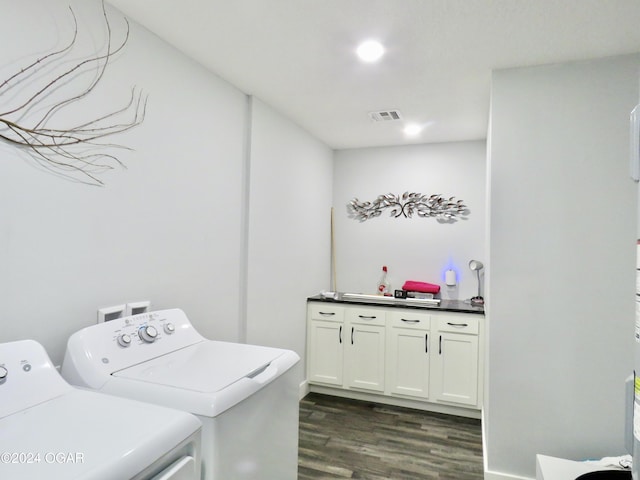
{"x": 351, "y": 335}
{"x": 440, "y": 346}
{"x": 340, "y": 334}
{"x": 409, "y": 320}
{"x": 457, "y": 324}
{"x": 426, "y": 343}
{"x": 327, "y": 313}
{"x": 365, "y": 317}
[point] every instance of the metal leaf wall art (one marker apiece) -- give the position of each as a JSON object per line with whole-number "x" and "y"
{"x": 76, "y": 152}
{"x": 408, "y": 204}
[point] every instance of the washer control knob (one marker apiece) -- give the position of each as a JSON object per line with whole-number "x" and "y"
{"x": 124, "y": 340}
{"x": 148, "y": 333}
{"x": 169, "y": 328}
{"x": 3, "y": 374}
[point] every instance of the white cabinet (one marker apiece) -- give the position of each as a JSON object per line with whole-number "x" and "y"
{"x": 408, "y": 353}
{"x": 365, "y": 349}
{"x": 346, "y": 347}
{"x": 455, "y": 367}
{"x": 420, "y": 356}
{"x": 325, "y": 344}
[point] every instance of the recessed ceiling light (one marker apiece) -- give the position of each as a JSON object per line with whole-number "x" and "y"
{"x": 412, "y": 129}
{"x": 370, "y": 51}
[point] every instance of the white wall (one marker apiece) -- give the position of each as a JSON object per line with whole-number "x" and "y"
{"x": 171, "y": 228}
{"x": 412, "y": 248}
{"x": 289, "y": 217}
{"x": 561, "y": 262}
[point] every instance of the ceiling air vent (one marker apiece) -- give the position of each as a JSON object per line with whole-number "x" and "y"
{"x": 385, "y": 116}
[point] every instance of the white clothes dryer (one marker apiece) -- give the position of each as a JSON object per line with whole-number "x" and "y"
{"x": 246, "y": 396}
{"x": 49, "y": 429}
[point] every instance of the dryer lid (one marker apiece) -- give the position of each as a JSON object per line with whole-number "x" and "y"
{"x": 207, "y": 367}
{"x": 88, "y": 435}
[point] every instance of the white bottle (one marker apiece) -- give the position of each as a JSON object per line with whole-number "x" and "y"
{"x": 383, "y": 285}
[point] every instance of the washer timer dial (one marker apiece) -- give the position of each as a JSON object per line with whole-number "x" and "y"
{"x": 148, "y": 333}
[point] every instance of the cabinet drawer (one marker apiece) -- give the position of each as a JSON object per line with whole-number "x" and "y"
{"x": 323, "y": 311}
{"x": 409, "y": 319}
{"x": 458, "y": 324}
{"x": 367, "y": 316}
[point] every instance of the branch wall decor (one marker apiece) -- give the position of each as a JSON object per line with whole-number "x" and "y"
{"x": 75, "y": 152}
{"x": 405, "y": 205}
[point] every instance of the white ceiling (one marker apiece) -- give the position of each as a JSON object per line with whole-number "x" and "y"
{"x": 298, "y": 55}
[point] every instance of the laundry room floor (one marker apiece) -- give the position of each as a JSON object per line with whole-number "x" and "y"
{"x": 343, "y": 438}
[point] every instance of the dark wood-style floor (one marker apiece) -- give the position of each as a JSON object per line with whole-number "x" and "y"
{"x": 343, "y": 438}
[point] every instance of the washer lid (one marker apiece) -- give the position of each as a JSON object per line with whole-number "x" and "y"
{"x": 207, "y": 367}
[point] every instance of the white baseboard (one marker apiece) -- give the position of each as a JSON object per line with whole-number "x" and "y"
{"x": 304, "y": 389}
{"x": 502, "y": 476}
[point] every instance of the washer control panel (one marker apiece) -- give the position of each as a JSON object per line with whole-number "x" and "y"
{"x": 142, "y": 328}
{"x": 127, "y": 341}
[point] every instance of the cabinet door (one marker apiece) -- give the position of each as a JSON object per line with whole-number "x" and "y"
{"x": 408, "y": 353}
{"x": 365, "y": 357}
{"x": 408, "y": 362}
{"x": 325, "y": 352}
{"x": 455, "y": 377}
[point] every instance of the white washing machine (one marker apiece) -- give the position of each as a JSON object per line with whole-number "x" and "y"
{"x": 246, "y": 396}
{"x": 49, "y": 429}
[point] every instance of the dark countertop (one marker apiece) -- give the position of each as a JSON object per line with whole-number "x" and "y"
{"x": 459, "y": 306}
